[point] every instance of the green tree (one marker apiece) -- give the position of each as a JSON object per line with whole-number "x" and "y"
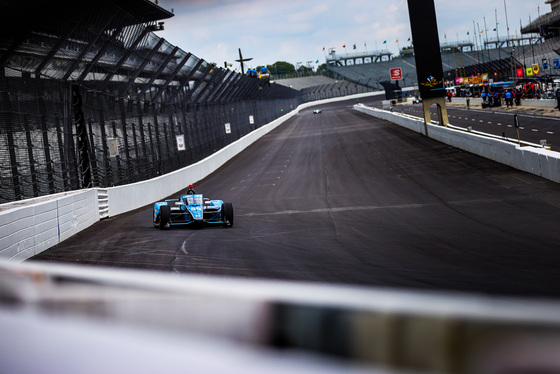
{"x": 280, "y": 68}
{"x": 322, "y": 69}
{"x": 304, "y": 70}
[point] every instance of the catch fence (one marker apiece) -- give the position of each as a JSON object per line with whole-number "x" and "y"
{"x": 91, "y": 96}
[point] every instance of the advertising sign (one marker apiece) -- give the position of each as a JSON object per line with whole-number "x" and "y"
{"x": 180, "y": 142}
{"x": 113, "y": 147}
{"x": 396, "y": 74}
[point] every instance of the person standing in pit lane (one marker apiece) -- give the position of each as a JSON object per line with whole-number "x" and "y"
{"x": 508, "y": 97}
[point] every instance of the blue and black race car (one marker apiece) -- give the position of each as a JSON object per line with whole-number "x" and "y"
{"x": 192, "y": 209}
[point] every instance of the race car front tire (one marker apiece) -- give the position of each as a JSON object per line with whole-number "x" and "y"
{"x": 227, "y": 214}
{"x": 164, "y": 216}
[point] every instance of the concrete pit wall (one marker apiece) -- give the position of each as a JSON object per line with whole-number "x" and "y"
{"x": 532, "y": 159}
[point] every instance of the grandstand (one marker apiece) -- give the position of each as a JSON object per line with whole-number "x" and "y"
{"x": 306, "y": 82}
{"x": 499, "y": 58}
{"x": 320, "y": 87}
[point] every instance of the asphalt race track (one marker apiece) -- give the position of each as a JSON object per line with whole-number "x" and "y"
{"x": 341, "y": 197}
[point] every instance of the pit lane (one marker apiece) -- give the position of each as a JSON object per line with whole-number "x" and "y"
{"x": 534, "y": 126}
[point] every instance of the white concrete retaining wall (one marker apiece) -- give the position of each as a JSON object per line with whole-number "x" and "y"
{"x": 30, "y": 227}
{"x": 534, "y": 160}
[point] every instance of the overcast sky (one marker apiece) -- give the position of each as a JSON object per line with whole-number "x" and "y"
{"x": 297, "y": 31}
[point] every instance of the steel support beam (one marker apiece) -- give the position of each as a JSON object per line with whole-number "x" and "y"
{"x": 159, "y": 71}
{"x": 86, "y": 50}
{"x": 197, "y": 85}
{"x": 123, "y": 59}
{"x": 181, "y": 86}
{"x": 5, "y": 106}
{"x": 210, "y": 85}
{"x": 56, "y": 48}
{"x": 141, "y": 67}
{"x": 99, "y": 54}
{"x": 221, "y": 87}
{"x": 227, "y": 93}
{"x": 82, "y": 138}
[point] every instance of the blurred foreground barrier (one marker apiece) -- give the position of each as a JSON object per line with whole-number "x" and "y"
{"x": 68, "y": 319}
{"x": 531, "y": 158}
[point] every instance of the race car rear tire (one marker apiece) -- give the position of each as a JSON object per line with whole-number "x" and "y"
{"x": 164, "y": 216}
{"x": 227, "y": 214}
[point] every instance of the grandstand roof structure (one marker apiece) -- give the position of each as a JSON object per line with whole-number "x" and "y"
{"x": 111, "y": 46}
{"x": 32, "y": 17}
{"x": 144, "y": 10}
{"x": 306, "y": 82}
